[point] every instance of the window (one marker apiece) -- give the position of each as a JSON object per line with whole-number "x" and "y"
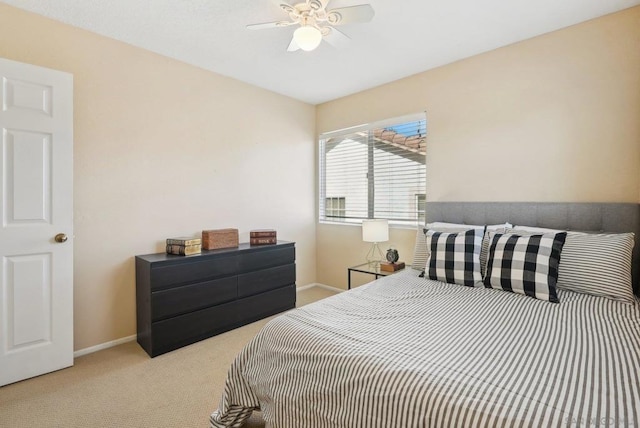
{"x": 374, "y": 171}
{"x": 421, "y": 204}
{"x": 334, "y": 207}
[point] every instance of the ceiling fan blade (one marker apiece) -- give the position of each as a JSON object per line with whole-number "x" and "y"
{"x": 275, "y": 24}
{"x": 335, "y": 37}
{"x": 351, "y": 14}
{"x": 293, "y": 46}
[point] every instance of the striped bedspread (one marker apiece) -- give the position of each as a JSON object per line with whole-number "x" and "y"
{"x": 404, "y": 351}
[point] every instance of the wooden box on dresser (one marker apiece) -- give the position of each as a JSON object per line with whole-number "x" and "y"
{"x": 183, "y": 299}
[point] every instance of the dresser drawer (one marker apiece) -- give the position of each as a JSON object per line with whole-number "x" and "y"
{"x": 268, "y": 258}
{"x": 187, "y": 298}
{"x": 175, "y": 274}
{"x": 189, "y": 328}
{"x": 181, "y": 300}
{"x": 266, "y": 279}
{"x": 267, "y": 304}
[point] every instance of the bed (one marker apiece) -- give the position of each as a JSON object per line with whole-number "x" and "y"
{"x": 405, "y": 351}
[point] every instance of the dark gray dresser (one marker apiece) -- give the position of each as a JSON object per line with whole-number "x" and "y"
{"x": 184, "y": 299}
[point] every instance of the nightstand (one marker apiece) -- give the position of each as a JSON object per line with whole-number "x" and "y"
{"x": 369, "y": 268}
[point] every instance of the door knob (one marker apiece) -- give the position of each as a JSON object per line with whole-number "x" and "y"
{"x": 60, "y": 237}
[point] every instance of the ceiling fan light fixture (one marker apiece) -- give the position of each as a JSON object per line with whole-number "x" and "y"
{"x": 307, "y": 37}
{"x": 316, "y": 22}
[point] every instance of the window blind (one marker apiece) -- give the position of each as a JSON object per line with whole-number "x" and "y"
{"x": 374, "y": 171}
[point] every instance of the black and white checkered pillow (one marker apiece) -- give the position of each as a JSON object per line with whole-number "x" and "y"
{"x": 525, "y": 264}
{"x": 489, "y": 230}
{"x": 455, "y": 257}
{"x": 448, "y": 228}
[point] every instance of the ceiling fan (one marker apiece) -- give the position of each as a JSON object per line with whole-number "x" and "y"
{"x": 316, "y": 22}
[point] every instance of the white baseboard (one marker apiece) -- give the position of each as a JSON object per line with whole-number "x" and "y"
{"x": 122, "y": 340}
{"x": 317, "y": 284}
{"x": 102, "y": 346}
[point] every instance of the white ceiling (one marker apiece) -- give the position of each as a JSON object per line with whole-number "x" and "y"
{"x": 404, "y": 38}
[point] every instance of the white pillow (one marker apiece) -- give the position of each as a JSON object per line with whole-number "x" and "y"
{"x": 437, "y": 225}
{"x": 499, "y": 228}
{"x": 533, "y": 229}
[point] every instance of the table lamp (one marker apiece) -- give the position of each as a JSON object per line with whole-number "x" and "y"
{"x": 376, "y": 230}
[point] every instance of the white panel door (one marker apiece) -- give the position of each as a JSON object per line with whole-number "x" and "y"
{"x": 36, "y": 204}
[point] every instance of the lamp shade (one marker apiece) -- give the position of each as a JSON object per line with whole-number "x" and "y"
{"x": 375, "y": 230}
{"x": 307, "y": 37}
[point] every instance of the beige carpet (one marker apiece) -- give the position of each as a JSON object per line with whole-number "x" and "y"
{"x": 123, "y": 387}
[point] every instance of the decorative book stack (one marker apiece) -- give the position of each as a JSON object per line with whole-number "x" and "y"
{"x": 184, "y": 246}
{"x": 263, "y": 237}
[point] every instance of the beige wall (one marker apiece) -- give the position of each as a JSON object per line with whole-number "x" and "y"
{"x": 554, "y": 118}
{"x": 165, "y": 149}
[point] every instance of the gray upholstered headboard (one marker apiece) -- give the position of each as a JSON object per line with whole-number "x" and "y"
{"x": 604, "y": 217}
